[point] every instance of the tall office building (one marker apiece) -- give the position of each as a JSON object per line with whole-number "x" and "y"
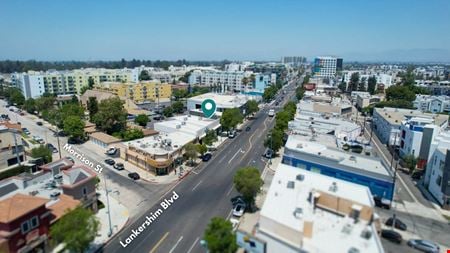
{"x": 326, "y": 66}
{"x": 293, "y": 60}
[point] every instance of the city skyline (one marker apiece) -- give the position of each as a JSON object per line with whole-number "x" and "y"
{"x": 200, "y": 30}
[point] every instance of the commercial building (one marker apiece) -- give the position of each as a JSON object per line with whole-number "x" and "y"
{"x": 326, "y": 106}
{"x": 437, "y": 88}
{"x": 294, "y": 61}
{"x": 223, "y": 101}
{"x": 11, "y": 145}
{"x": 326, "y": 66}
{"x": 387, "y": 121}
{"x": 314, "y": 155}
{"x": 139, "y": 93}
{"x": 437, "y": 173}
{"x": 159, "y": 153}
{"x": 433, "y": 104}
{"x": 364, "y": 100}
{"x": 309, "y": 212}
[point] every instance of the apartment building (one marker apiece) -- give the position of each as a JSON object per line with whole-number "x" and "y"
{"x": 326, "y": 66}
{"x": 364, "y": 100}
{"x": 433, "y": 104}
{"x": 226, "y": 80}
{"x": 387, "y": 121}
{"x": 34, "y": 83}
{"x": 437, "y": 173}
{"x": 386, "y": 80}
{"x": 309, "y": 212}
{"x": 139, "y": 93}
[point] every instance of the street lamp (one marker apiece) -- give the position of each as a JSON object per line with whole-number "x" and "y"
{"x": 109, "y": 209}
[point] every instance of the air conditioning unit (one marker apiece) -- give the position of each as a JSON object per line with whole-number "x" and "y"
{"x": 178, "y": 126}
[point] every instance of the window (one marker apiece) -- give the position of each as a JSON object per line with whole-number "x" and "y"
{"x": 25, "y": 227}
{"x": 34, "y": 222}
{"x": 315, "y": 169}
{"x": 84, "y": 191}
{"x": 438, "y": 180}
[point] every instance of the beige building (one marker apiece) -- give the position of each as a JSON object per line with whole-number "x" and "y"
{"x": 142, "y": 92}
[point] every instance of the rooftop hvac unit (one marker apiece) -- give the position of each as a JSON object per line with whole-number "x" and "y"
{"x": 183, "y": 123}
{"x": 333, "y": 187}
{"x": 168, "y": 142}
{"x": 185, "y": 118}
{"x": 178, "y": 126}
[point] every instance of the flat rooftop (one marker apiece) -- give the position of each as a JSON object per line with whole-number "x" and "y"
{"x": 339, "y": 233}
{"x": 303, "y": 122}
{"x": 222, "y": 100}
{"x": 320, "y": 150}
{"x": 189, "y": 124}
{"x": 396, "y": 115}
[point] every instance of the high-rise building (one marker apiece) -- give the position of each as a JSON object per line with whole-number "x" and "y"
{"x": 293, "y": 60}
{"x": 326, "y": 66}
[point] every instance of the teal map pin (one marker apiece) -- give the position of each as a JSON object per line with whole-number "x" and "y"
{"x": 208, "y": 107}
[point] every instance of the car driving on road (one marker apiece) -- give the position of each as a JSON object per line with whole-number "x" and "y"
{"x": 424, "y": 245}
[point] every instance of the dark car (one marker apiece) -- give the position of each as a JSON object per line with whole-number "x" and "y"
{"x": 398, "y": 223}
{"x": 119, "y": 166}
{"x": 134, "y": 176}
{"x": 382, "y": 203}
{"x": 236, "y": 200}
{"x": 391, "y": 236}
{"x": 52, "y": 148}
{"x": 248, "y": 129}
{"x": 417, "y": 174}
{"x": 39, "y": 123}
{"x": 110, "y": 161}
{"x": 206, "y": 157}
{"x": 424, "y": 246}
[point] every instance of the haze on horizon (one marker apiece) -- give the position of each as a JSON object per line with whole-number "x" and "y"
{"x": 235, "y": 30}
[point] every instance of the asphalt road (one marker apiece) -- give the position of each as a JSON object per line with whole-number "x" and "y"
{"x": 203, "y": 194}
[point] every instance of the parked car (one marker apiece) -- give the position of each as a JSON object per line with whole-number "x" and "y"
{"x": 70, "y": 159}
{"x": 382, "y": 203}
{"x": 21, "y": 113}
{"x": 417, "y": 174}
{"x": 206, "y": 157}
{"x": 391, "y": 236}
{"x": 269, "y": 153}
{"x": 119, "y": 166}
{"x": 134, "y": 175}
{"x": 238, "y": 210}
{"x": 74, "y": 141}
{"x": 110, "y": 161}
{"x": 398, "y": 223}
{"x": 424, "y": 245}
{"x": 237, "y": 200}
{"x": 52, "y": 148}
{"x": 248, "y": 129}
{"x": 26, "y": 131}
{"x": 111, "y": 151}
{"x": 231, "y": 134}
{"x": 39, "y": 123}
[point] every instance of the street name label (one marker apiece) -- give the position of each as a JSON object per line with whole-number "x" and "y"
{"x": 98, "y": 168}
{"x": 149, "y": 219}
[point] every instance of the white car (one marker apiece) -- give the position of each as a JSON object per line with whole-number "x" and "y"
{"x": 111, "y": 151}
{"x": 238, "y": 210}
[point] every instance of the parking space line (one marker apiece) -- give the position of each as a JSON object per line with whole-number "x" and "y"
{"x": 197, "y": 185}
{"x": 231, "y": 189}
{"x": 176, "y": 244}
{"x": 193, "y": 245}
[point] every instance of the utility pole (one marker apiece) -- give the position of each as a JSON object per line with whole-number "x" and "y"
{"x": 14, "y": 131}
{"x": 109, "y": 209}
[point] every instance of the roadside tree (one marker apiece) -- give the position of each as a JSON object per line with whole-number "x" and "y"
{"x": 248, "y": 182}
{"x": 220, "y": 237}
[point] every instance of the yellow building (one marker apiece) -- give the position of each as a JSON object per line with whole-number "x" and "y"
{"x": 142, "y": 92}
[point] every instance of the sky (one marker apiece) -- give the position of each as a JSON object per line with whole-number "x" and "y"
{"x": 377, "y": 30}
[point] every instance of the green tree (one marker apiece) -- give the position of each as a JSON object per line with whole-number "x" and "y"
{"x": 231, "y": 118}
{"x": 220, "y": 237}
{"x": 111, "y": 116}
{"x": 342, "y": 86}
{"x": 362, "y": 84}
{"x": 168, "y": 112}
{"x": 248, "y": 182}
{"x": 178, "y": 107}
{"x": 269, "y": 93}
{"x": 84, "y": 89}
{"x": 371, "y": 84}
{"x": 274, "y": 140}
{"x": 202, "y": 149}
{"x": 45, "y": 103}
{"x": 30, "y": 105}
{"x": 299, "y": 92}
{"x": 144, "y": 75}
{"x": 92, "y": 106}
{"x": 251, "y": 107}
{"x": 408, "y": 78}
{"x": 91, "y": 82}
{"x": 132, "y": 134}
{"x": 179, "y": 93}
{"x": 354, "y": 81}
{"x": 210, "y": 137}
{"x": 400, "y": 92}
{"x": 42, "y": 152}
{"x": 142, "y": 120}
{"x": 77, "y": 228}
{"x": 74, "y": 126}
{"x": 16, "y": 97}
{"x": 74, "y": 99}
{"x": 410, "y": 162}
{"x": 190, "y": 151}
{"x": 281, "y": 120}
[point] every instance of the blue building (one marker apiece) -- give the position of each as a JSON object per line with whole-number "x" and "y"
{"x": 332, "y": 162}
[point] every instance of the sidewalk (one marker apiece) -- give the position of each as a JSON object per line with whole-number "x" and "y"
{"x": 119, "y": 217}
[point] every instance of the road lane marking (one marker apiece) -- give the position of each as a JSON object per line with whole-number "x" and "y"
{"x": 234, "y": 156}
{"x": 229, "y": 192}
{"x": 176, "y": 244}
{"x": 197, "y": 185}
{"x": 193, "y": 245}
{"x": 159, "y": 242}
